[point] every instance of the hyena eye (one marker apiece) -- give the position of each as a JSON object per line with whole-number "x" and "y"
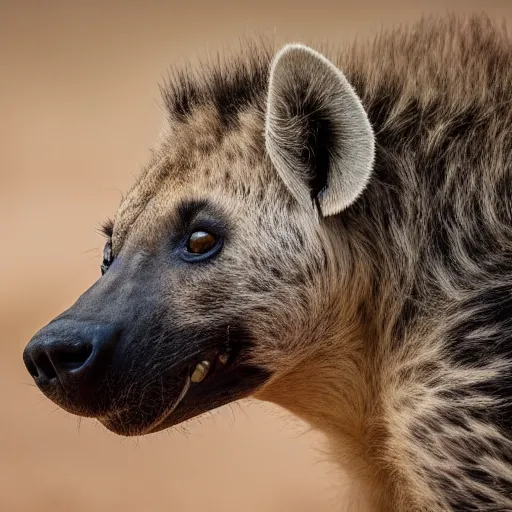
{"x": 200, "y": 242}
{"x": 107, "y": 257}
{"x": 201, "y": 245}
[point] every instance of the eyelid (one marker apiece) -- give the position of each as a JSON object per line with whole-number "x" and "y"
{"x": 200, "y": 222}
{"x": 207, "y": 224}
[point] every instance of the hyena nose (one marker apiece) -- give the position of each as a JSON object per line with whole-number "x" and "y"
{"x": 66, "y": 354}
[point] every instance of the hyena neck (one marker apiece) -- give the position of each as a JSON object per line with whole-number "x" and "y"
{"x": 337, "y": 393}
{"x": 340, "y": 391}
{"x": 337, "y": 396}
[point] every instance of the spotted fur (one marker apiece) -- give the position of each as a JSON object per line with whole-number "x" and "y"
{"x": 389, "y": 325}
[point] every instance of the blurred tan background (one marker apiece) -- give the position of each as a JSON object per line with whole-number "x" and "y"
{"x": 79, "y": 109}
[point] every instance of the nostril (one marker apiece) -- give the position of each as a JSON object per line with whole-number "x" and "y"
{"x": 43, "y": 366}
{"x": 69, "y": 353}
{"x": 72, "y": 358}
{"x": 31, "y": 367}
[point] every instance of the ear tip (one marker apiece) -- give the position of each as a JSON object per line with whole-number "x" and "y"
{"x": 284, "y": 59}
{"x": 295, "y": 46}
{"x": 290, "y": 49}
{"x": 293, "y": 55}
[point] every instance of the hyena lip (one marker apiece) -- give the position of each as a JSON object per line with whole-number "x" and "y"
{"x": 119, "y": 421}
{"x": 199, "y": 374}
{"x": 219, "y": 388}
{"x": 227, "y": 379}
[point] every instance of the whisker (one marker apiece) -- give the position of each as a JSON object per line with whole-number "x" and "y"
{"x": 31, "y": 384}
{"x": 94, "y": 249}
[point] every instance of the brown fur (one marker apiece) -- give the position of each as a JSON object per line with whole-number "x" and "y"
{"x": 368, "y": 321}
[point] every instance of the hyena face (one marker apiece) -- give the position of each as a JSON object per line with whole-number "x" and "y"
{"x": 219, "y": 266}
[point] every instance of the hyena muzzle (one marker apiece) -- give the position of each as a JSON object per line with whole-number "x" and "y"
{"x": 336, "y": 242}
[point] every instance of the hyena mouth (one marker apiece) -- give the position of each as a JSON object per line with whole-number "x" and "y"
{"x": 212, "y": 366}
{"x": 206, "y": 381}
{"x": 212, "y": 381}
{"x": 200, "y": 374}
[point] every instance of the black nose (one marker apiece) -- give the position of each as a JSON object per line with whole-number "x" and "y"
{"x": 69, "y": 354}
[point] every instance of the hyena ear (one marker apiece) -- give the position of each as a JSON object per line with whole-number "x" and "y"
{"x": 317, "y": 133}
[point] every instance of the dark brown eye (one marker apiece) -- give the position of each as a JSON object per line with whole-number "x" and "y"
{"x": 201, "y": 242}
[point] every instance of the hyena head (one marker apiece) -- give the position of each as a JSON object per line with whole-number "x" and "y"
{"x": 221, "y": 271}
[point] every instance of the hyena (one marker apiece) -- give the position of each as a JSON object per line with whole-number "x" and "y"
{"x": 330, "y": 232}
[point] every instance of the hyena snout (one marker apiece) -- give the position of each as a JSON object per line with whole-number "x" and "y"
{"x": 68, "y": 360}
{"x": 126, "y": 355}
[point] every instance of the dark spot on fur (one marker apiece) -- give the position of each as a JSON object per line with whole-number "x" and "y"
{"x": 245, "y": 189}
{"x": 229, "y": 88}
{"x": 491, "y": 310}
{"x": 276, "y": 272}
{"x": 206, "y": 146}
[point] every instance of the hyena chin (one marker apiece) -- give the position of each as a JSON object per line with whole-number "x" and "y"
{"x": 329, "y": 233}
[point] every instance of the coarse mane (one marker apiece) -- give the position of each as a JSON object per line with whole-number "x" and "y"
{"x": 461, "y": 58}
